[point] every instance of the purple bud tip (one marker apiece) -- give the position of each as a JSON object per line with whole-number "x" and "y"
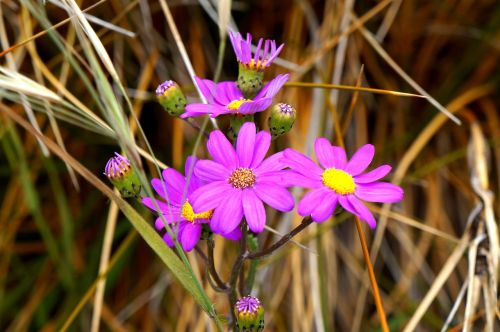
{"x": 116, "y": 166}
{"x": 160, "y": 90}
{"x": 285, "y": 108}
{"x": 248, "y": 304}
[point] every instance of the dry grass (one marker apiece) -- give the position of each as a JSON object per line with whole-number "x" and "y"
{"x": 83, "y": 89}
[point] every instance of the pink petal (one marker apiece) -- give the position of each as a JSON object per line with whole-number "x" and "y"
{"x": 339, "y": 157}
{"x": 221, "y": 150}
{"x": 209, "y": 196}
{"x": 323, "y": 150}
{"x": 373, "y": 175}
{"x": 382, "y": 192}
{"x": 164, "y": 207}
{"x": 362, "y": 211}
{"x": 300, "y": 163}
{"x": 207, "y": 88}
{"x": 168, "y": 240}
{"x": 169, "y": 219}
{"x": 293, "y": 178}
{"x": 227, "y": 216}
{"x": 262, "y": 143}
{"x": 310, "y": 200}
{"x": 274, "y": 177}
{"x": 325, "y": 209}
{"x": 271, "y": 163}
{"x": 174, "y": 179}
{"x": 255, "y": 213}
{"x": 360, "y": 160}
{"x": 275, "y": 196}
{"x": 344, "y": 202}
{"x": 194, "y": 181}
{"x": 275, "y": 53}
{"x": 257, "y": 105}
{"x": 167, "y": 191}
{"x": 227, "y": 92}
{"x": 190, "y": 236}
{"x": 210, "y": 171}
{"x": 234, "y": 235}
{"x": 197, "y": 109}
{"x": 245, "y": 144}
{"x": 272, "y": 87}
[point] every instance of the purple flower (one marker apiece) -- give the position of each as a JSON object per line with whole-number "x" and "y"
{"x": 226, "y": 98}
{"x": 243, "y": 50}
{"x": 178, "y": 212}
{"x": 239, "y": 181}
{"x": 339, "y": 181}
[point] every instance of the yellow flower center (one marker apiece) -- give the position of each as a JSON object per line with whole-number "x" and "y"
{"x": 242, "y": 178}
{"x": 188, "y": 213}
{"x": 339, "y": 181}
{"x": 259, "y": 65}
{"x": 235, "y": 104}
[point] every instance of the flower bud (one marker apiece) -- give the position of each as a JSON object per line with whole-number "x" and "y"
{"x": 249, "y": 314}
{"x": 281, "y": 119}
{"x": 122, "y": 176}
{"x": 249, "y": 81}
{"x": 170, "y": 96}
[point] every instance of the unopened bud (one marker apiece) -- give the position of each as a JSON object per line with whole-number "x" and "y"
{"x": 281, "y": 119}
{"x": 170, "y": 96}
{"x": 122, "y": 176}
{"x": 249, "y": 314}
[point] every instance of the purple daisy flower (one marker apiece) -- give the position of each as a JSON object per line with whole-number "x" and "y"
{"x": 226, "y": 98}
{"x": 178, "y": 213}
{"x": 243, "y": 50}
{"x": 240, "y": 181}
{"x": 339, "y": 181}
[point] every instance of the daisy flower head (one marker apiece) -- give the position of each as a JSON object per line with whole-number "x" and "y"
{"x": 176, "y": 209}
{"x": 240, "y": 180}
{"x": 252, "y": 64}
{"x": 254, "y": 60}
{"x": 226, "y": 98}
{"x": 339, "y": 181}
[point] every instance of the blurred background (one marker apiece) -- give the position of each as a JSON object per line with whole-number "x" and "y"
{"x": 435, "y": 254}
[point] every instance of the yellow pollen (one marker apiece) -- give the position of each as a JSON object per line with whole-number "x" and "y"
{"x": 235, "y": 104}
{"x": 259, "y": 65}
{"x": 339, "y": 181}
{"x": 188, "y": 213}
{"x": 242, "y": 178}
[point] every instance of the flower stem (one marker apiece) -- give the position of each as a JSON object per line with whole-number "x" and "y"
{"x": 265, "y": 252}
{"x": 252, "y": 270}
{"x": 373, "y": 281}
{"x": 211, "y": 265}
{"x": 233, "y": 296}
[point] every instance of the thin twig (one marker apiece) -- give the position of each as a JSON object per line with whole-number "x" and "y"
{"x": 265, "y": 252}
{"x": 211, "y": 265}
{"x": 373, "y": 281}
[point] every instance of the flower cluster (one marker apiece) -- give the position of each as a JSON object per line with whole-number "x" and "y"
{"x": 228, "y": 193}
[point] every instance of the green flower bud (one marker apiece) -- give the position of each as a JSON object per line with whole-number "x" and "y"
{"x": 281, "y": 119}
{"x": 172, "y": 99}
{"x": 249, "y": 315}
{"x": 235, "y": 123}
{"x": 122, "y": 176}
{"x": 249, "y": 80}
